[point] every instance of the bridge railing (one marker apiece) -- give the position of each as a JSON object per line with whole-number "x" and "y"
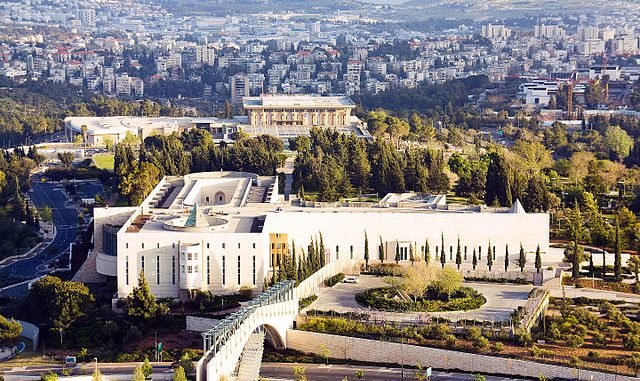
{"x": 215, "y": 338}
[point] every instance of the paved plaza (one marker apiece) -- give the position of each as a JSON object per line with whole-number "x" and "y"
{"x": 502, "y": 299}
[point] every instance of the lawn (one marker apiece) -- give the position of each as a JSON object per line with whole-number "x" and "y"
{"x": 104, "y": 161}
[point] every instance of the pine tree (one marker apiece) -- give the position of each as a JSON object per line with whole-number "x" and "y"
{"x": 538, "y": 262}
{"x": 141, "y": 303}
{"x": 427, "y": 253}
{"x": 617, "y": 259}
{"x": 458, "y": 255}
{"x": 489, "y": 257}
{"x": 522, "y": 259}
{"x": 366, "y": 251}
{"x": 506, "y": 258}
{"x": 381, "y": 250}
{"x": 474, "y": 260}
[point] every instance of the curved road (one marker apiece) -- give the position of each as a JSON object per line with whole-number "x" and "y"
{"x": 65, "y": 218}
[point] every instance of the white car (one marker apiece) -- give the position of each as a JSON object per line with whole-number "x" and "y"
{"x": 350, "y": 279}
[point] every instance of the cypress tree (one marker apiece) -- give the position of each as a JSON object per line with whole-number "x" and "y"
{"x": 539, "y": 260}
{"x": 294, "y": 263}
{"x": 458, "y": 255}
{"x": 506, "y": 258}
{"x": 617, "y": 260}
{"x": 427, "y": 253}
{"x": 397, "y": 252}
{"x": 522, "y": 259}
{"x": 591, "y": 269}
{"x": 381, "y": 250}
{"x": 474, "y": 260}
{"x": 489, "y": 257}
{"x": 443, "y": 258}
{"x": 322, "y": 252}
{"x": 366, "y": 251}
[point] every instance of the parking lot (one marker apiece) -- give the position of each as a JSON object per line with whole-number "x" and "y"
{"x": 502, "y": 299}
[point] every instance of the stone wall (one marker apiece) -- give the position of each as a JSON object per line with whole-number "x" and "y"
{"x": 374, "y": 351}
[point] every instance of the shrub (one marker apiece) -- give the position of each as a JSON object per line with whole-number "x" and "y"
{"x": 593, "y": 354}
{"x": 631, "y": 341}
{"x": 450, "y": 340}
{"x": 385, "y": 269}
{"x": 339, "y": 277}
{"x": 306, "y": 302}
{"x": 575, "y": 341}
{"x": 473, "y": 333}
{"x": 523, "y": 338}
{"x": 246, "y": 291}
{"x": 480, "y": 342}
{"x": 498, "y": 347}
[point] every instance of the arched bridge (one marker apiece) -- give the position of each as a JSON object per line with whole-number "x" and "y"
{"x": 272, "y": 311}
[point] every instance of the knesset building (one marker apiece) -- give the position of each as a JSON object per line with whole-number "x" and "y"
{"x": 219, "y": 231}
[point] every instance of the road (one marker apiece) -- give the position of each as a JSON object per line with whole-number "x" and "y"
{"x": 502, "y": 299}
{"x": 316, "y": 372}
{"x": 65, "y": 218}
{"x": 161, "y": 371}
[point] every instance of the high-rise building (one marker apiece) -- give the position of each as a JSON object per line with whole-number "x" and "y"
{"x": 240, "y": 87}
{"x": 495, "y": 31}
{"x": 206, "y": 55}
{"x": 548, "y": 31}
{"x": 587, "y": 32}
{"x": 87, "y": 17}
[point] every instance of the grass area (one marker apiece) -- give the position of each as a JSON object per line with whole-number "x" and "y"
{"x": 28, "y": 358}
{"x": 104, "y": 161}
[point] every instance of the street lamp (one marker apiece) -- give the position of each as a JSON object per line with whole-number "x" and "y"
{"x": 95, "y": 359}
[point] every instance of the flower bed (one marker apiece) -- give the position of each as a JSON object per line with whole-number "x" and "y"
{"x": 384, "y": 299}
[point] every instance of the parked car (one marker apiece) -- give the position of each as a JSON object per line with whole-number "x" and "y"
{"x": 350, "y": 279}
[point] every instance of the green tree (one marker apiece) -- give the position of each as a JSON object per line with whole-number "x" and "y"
{"x": 617, "y": 142}
{"x": 9, "y": 332}
{"x": 489, "y": 257}
{"x": 179, "y": 374}
{"x": 366, "y": 251}
{"x": 62, "y": 301}
{"x": 138, "y": 375}
{"x": 141, "y": 304}
{"x": 300, "y": 373}
{"x": 522, "y": 259}
{"x": 474, "y": 260}
{"x": 147, "y": 368}
{"x": 443, "y": 257}
{"x": 458, "y": 255}
{"x": 447, "y": 281}
{"x": 427, "y": 253}
{"x": 506, "y": 258}
{"x": 617, "y": 261}
{"x": 381, "y": 250}
{"x": 66, "y": 158}
{"x": 575, "y": 225}
{"x": 538, "y": 260}
{"x": 498, "y": 183}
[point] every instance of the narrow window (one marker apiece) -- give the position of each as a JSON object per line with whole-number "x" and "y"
{"x": 126, "y": 270}
{"x": 143, "y": 245}
{"x": 465, "y": 253}
{"x": 337, "y": 252}
{"x": 207, "y": 245}
{"x": 238, "y": 245}
{"x": 254, "y": 245}
{"x": 173, "y": 269}
{"x": 208, "y": 270}
{"x": 450, "y": 253}
{"x": 157, "y": 269}
{"x": 173, "y": 245}
{"x": 224, "y": 270}
{"x": 126, "y": 245}
{"x": 238, "y": 270}
{"x": 351, "y": 252}
{"x": 142, "y": 263}
{"x": 223, "y": 245}
{"x": 158, "y": 245}
{"x": 189, "y": 269}
{"x": 254, "y": 270}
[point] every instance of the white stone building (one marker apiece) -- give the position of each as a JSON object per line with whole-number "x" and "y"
{"x": 219, "y": 231}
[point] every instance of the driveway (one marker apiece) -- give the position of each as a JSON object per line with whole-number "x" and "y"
{"x": 502, "y": 299}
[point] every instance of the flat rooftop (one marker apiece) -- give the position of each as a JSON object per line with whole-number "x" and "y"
{"x": 297, "y": 101}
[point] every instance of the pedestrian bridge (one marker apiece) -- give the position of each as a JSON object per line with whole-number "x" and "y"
{"x": 272, "y": 311}
{"x": 234, "y": 339}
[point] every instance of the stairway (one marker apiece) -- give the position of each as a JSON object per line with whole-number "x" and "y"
{"x": 251, "y": 358}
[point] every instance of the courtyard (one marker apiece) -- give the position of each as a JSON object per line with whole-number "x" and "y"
{"x": 502, "y": 299}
